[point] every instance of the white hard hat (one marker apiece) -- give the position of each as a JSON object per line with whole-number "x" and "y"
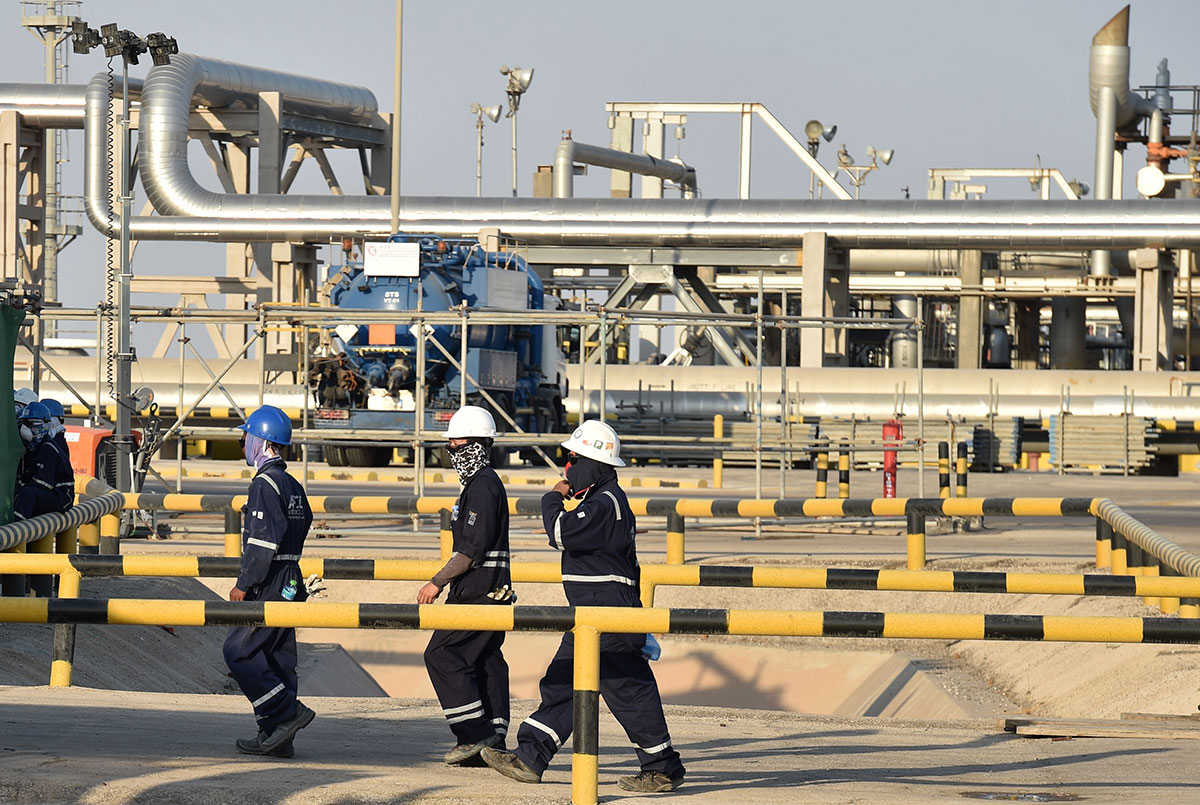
{"x": 25, "y": 396}
{"x": 471, "y": 422}
{"x": 596, "y": 440}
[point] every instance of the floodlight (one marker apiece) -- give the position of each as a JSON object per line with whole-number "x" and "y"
{"x": 883, "y": 155}
{"x": 121, "y": 43}
{"x": 162, "y": 47}
{"x": 813, "y": 129}
{"x": 83, "y": 38}
{"x": 843, "y": 157}
{"x": 1080, "y": 189}
{"x": 492, "y": 113}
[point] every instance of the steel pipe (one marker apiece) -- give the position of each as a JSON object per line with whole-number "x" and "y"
{"x": 569, "y": 152}
{"x": 267, "y": 218}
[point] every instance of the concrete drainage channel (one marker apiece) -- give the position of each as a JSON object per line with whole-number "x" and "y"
{"x": 701, "y": 673}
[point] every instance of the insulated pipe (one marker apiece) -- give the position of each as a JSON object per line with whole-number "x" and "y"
{"x": 1114, "y": 105}
{"x": 58, "y": 106}
{"x": 904, "y": 342}
{"x": 569, "y": 152}
{"x": 212, "y": 216}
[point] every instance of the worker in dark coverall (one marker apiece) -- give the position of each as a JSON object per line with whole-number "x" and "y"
{"x": 467, "y": 668}
{"x": 275, "y": 521}
{"x": 599, "y": 568}
{"x": 45, "y": 481}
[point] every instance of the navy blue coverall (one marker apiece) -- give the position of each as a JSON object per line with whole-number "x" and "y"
{"x": 599, "y": 568}
{"x": 275, "y": 521}
{"x": 45, "y": 481}
{"x": 467, "y": 668}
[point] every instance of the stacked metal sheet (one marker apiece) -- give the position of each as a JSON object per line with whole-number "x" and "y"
{"x": 1102, "y": 443}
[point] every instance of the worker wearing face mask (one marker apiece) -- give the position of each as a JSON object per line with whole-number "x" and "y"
{"x": 467, "y": 668}
{"x": 275, "y": 520}
{"x": 599, "y": 569}
{"x": 45, "y": 481}
{"x": 58, "y": 421}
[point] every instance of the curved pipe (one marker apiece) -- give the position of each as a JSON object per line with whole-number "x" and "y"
{"x": 569, "y": 152}
{"x": 1055, "y": 225}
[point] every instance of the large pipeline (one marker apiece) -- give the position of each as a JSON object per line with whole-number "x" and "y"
{"x": 169, "y": 90}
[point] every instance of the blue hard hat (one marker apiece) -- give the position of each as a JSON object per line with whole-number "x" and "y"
{"x": 35, "y": 410}
{"x": 269, "y": 423}
{"x": 54, "y": 407}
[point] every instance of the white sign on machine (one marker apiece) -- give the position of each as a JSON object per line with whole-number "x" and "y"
{"x": 391, "y": 259}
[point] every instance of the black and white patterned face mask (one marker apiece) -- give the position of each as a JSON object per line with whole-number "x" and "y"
{"x": 468, "y": 460}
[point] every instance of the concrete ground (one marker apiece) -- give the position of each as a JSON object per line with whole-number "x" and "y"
{"x": 101, "y": 747}
{"x": 108, "y": 746}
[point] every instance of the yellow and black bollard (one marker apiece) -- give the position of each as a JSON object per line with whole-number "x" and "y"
{"x": 916, "y": 540}
{"x": 233, "y": 532}
{"x": 844, "y": 473}
{"x": 1104, "y": 544}
{"x": 64, "y": 635}
{"x": 719, "y": 456}
{"x": 960, "y": 471}
{"x": 1169, "y": 605}
{"x": 943, "y": 470}
{"x": 822, "y": 491}
{"x": 110, "y": 534}
{"x": 89, "y": 538}
{"x": 1120, "y": 555}
{"x": 585, "y": 747}
{"x": 675, "y": 540}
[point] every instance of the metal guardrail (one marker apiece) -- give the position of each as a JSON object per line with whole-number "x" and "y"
{"x": 589, "y": 623}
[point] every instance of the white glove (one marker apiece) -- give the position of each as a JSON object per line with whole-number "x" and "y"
{"x": 314, "y": 584}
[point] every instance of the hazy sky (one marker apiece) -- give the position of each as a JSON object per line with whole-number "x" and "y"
{"x": 947, "y": 84}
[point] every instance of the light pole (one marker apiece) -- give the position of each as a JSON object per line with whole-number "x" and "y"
{"x": 518, "y": 82}
{"x": 127, "y": 45}
{"x": 492, "y": 113}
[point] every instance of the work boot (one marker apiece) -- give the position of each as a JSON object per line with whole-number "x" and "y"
{"x": 650, "y": 782}
{"x": 508, "y": 764}
{"x": 462, "y": 753}
{"x": 285, "y": 731}
{"x": 253, "y": 746}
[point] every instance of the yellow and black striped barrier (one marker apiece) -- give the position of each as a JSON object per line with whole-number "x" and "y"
{"x": 661, "y": 507}
{"x": 653, "y": 576}
{"x": 822, "y": 490}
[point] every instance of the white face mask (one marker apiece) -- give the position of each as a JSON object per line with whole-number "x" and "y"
{"x": 26, "y": 434}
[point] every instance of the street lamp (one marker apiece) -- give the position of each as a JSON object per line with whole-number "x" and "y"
{"x": 128, "y": 45}
{"x": 518, "y": 82}
{"x": 492, "y": 113}
{"x": 858, "y": 173}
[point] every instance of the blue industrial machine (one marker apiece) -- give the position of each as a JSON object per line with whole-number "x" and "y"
{"x": 364, "y": 377}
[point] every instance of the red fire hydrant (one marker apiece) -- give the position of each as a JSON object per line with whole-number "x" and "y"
{"x": 893, "y": 432}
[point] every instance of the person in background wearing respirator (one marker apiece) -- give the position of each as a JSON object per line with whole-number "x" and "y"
{"x": 21, "y": 398}
{"x": 467, "y": 668}
{"x": 45, "y": 481}
{"x": 58, "y": 421}
{"x": 599, "y": 569}
{"x": 275, "y": 521}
